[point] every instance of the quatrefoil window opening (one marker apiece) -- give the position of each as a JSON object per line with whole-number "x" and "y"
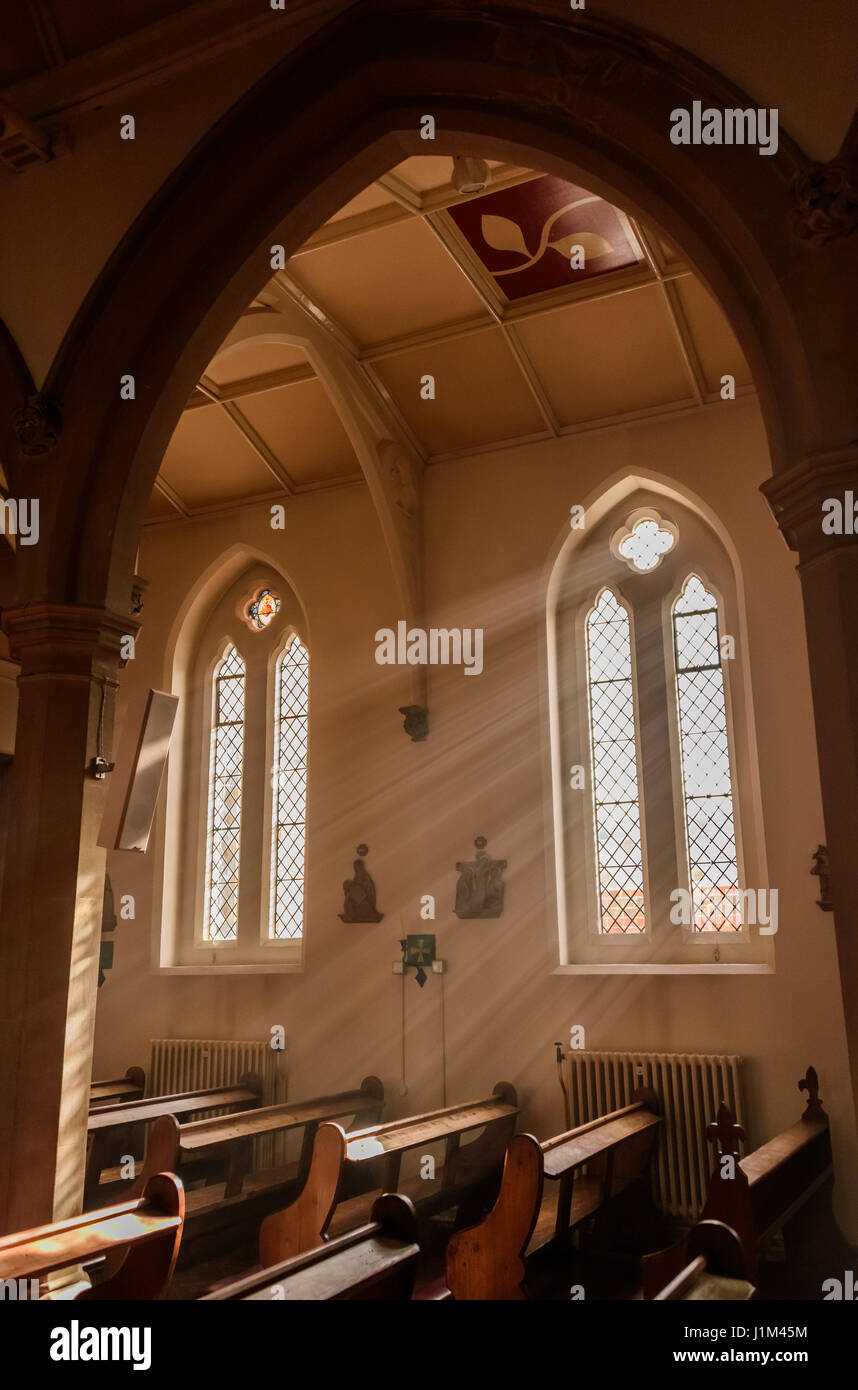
{"x": 644, "y": 541}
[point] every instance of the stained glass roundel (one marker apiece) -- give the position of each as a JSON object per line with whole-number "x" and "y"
{"x": 261, "y": 609}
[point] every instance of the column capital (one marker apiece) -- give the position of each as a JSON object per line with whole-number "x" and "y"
{"x": 797, "y": 495}
{"x": 66, "y": 639}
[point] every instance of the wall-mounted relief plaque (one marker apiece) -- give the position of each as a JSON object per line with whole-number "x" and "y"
{"x": 479, "y": 892}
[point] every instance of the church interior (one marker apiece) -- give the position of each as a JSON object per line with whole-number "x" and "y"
{"x": 429, "y": 658}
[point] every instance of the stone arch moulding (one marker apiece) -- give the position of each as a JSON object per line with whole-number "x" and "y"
{"x": 582, "y": 98}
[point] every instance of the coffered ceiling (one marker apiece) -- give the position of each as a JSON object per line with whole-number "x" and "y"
{"x": 538, "y": 309}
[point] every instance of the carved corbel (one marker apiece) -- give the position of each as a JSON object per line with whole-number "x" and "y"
{"x": 38, "y": 425}
{"x": 826, "y": 201}
{"x": 416, "y": 723}
{"x": 798, "y": 496}
{"x": 821, "y": 870}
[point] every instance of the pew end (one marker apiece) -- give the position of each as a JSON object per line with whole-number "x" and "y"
{"x": 303, "y": 1224}
{"x": 139, "y": 1240}
{"x": 162, "y": 1151}
{"x": 148, "y": 1267}
{"x": 487, "y": 1261}
{"x": 715, "y": 1268}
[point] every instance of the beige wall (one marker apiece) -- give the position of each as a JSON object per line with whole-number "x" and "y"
{"x": 491, "y": 524}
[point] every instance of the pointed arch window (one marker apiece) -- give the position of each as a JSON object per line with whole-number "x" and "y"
{"x": 226, "y": 766}
{"x": 614, "y": 768}
{"x": 707, "y": 788}
{"x": 655, "y": 786}
{"x": 289, "y": 793}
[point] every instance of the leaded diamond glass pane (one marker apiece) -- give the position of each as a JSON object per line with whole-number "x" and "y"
{"x": 616, "y": 812}
{"x": 220, "y": 919}
{"x": 707, "y": 796}
{"x": 289, "y": 783}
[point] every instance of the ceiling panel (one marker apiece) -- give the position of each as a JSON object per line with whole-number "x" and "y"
{"x": 524, "y": 235}
{"x": 717, "y": 347}
{"x": 160, "y": 508}
{"x": 608, "y": 356}
{"x": 208, "y": 462}
{"x": 301, "y": 427}
{"x": 367, "y": 201}
{"x": 391, "y": 281}
{"x": 254, "y": 359}
{"x": 480, "y": 396}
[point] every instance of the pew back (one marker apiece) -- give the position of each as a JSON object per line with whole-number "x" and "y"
{"x": 228, "y": 1139}
{"x": 488, "y": 1261}
{"x": 759, "y": 1194}
{"x": 495, "y": 1114}
{"x": 127, "y": 1087}
{"x": 616, "y": 1149}
{"x": 114, "y": 1129}
{"x": 783, "y": 1185}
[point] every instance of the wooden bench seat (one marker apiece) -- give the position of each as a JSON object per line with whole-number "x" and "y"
{"x": 219, "y": 1153}
{"x": 376, "y": 1261}
{"x": 118, "y": 1128}
{"x": 376, "y": 1153}
{"x": 127, "y": 1087}
{"x": 226, "y": 1141}
{"x": 355, "y": 1211}
{"x": 140, "y": 1238}
{"x": 586, "y": 1200}
{"x": 785, "y": 1185}
{"x": 322, "y": 1209}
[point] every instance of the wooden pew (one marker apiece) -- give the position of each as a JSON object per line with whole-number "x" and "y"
{"x": 209, "y": 1145}
{"x": 489, "y": 1261}
{"x": 714, "y": 1271}
{"x": 113, "y": 1130}
{"x": 374, "y": 1261}
{"x": 127, "y": 1087}
{"x": 617, "y": 1150}
{"x": 374, "y": 1155}
{"x": 783, "y": 1186}
{"x": 149, "y": 1230}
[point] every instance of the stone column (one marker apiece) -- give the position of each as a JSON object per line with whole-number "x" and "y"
{"x": 51, "y": 907}
{"x": 828, "y": 567}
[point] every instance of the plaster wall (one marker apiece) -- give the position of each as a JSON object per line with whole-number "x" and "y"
{"x": 490, "y": 526}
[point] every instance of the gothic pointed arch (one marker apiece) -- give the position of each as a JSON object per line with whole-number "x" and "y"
{"x": 583, "y": 98}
